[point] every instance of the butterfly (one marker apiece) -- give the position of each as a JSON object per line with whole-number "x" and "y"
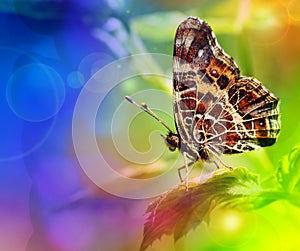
{"x": 216, "y": 110}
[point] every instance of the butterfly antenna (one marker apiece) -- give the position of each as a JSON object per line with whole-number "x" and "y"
{"x": 146, "y": 109}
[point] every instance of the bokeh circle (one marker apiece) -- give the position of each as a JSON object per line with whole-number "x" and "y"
{"x": 35, "y": 92}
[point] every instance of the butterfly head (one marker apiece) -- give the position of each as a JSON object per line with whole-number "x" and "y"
{"x": 172, "y": 141}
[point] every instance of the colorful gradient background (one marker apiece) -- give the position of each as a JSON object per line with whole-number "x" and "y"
{"x": 50, "y": 49}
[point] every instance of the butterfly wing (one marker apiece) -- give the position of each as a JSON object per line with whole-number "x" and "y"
{"x": 217, "y": 110}
{"x": 253, "y": 117}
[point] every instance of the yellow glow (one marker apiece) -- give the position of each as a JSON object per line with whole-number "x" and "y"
{"x": 231, "y": 222}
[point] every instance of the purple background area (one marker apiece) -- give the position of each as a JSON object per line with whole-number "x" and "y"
{"x": 47, "y": 52}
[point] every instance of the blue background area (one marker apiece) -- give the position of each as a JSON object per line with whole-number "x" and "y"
{"x": 47, "y": 51}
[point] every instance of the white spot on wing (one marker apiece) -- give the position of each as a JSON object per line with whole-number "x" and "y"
{"x": 200, "y": 53}
{"x": 188, "y": 41}
{"x": 178, "y": 42}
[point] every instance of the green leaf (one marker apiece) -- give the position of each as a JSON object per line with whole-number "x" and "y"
{"x": 178, "y": 211}
{"x": 267, "y": 197}
{"x": 288, "y": 174}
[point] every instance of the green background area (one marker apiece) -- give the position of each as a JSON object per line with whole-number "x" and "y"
{"x": 264, "y": 39}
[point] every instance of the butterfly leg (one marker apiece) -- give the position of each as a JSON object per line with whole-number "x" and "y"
{"x": 186, "y": 167}
{"x": 223, "y": 164}
{"x": 220, "y": 161}
{"x": 183, "y": 167}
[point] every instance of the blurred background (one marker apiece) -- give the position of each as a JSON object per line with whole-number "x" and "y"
{"x": 50, "y": 49}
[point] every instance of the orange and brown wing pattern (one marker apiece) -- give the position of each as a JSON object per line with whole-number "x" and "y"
{"x": 216, "y": 110}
